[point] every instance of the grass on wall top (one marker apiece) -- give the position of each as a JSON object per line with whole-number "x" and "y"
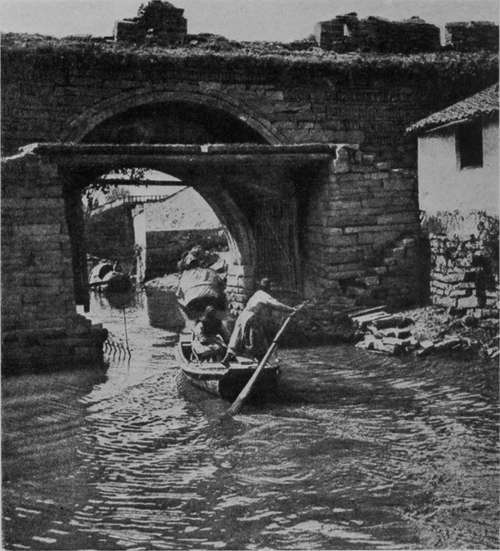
{"x": 263, "y": 60}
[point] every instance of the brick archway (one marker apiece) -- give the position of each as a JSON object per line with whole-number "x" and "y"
{"x": 79, "y": 127}
{"x": 241, "y": 239}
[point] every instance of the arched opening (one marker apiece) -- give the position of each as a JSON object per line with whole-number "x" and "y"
{"x": 205, "y": 150}
{"x": 150, "y": 226}
{"x": 188, "y": 122}
{"x": 174, "y": 122}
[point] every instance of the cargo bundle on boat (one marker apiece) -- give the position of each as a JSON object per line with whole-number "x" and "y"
{"x": 201, "y": 287}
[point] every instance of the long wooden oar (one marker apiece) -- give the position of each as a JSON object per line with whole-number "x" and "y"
{"x": 245, "y": 393}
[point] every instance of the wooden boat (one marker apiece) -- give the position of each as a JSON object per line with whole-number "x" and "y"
{"x": 226, "y": 382}
{"x": 104, "y": 277}
{"x": 116, "y": 282}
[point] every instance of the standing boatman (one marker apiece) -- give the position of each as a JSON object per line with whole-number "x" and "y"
{"x": 249, "y": 336}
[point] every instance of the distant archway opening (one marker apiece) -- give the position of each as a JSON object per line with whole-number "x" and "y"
{"x": 239, "y": 193}
{"x": 147, "y": 229}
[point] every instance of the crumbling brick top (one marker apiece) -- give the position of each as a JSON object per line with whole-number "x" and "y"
{"x": 209, "y": 53}
{"x": 470, "y": 24}
{"x": 484, "y": 103}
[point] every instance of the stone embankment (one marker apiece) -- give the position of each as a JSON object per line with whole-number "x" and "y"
{"x": 463, "y": 276}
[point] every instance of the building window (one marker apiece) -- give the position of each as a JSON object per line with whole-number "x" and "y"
{"x": 346, "y": 30}
{"x": 470, "y": 144}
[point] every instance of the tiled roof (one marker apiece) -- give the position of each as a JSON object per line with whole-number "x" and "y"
{"x": 483, "y": 103}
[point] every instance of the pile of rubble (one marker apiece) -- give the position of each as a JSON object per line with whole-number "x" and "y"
{"x": 394, "y": 334}
{"x": 383, "y": 332}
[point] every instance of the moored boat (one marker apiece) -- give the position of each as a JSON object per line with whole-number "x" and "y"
{"x": 116, "y": 282}
{"x": 224, "y": 381}
{"x": 104, "y": 277}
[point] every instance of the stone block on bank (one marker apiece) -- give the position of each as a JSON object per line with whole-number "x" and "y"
{"x": 458, "y": 293}
{"x": 363, "y": 321}
{"x": 372, "y": 281}
{"x": 445, "y": 301}
{"x": 467, "y": 302}
{"x": 447, "y": 343}
{"x": 466, "y": 285}
{"x": 367, "y": 343}
{"x": 393, "y": 332}
{"x": 390, "y": 321}
{"x": 426, "y": 346}
{"x": 389, "y": 345}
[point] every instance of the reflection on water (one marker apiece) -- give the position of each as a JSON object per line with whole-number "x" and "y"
{"x": 357, "y": 451}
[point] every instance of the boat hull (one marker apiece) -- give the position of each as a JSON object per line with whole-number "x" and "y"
{"x": 227, "y": 383}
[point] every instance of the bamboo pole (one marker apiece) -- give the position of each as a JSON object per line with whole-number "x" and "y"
{"x": 245, "y": 393}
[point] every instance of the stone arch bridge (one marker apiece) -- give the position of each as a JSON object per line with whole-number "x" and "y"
{"x": 305, "y": 163}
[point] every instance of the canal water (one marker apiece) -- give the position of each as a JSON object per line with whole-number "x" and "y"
{"x": 357, "y": 451}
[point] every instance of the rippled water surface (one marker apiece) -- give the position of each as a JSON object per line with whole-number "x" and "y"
{"x": 357, "y": 451}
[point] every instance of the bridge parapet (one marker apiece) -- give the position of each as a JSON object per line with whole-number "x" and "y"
{"x": 129, "y": 200}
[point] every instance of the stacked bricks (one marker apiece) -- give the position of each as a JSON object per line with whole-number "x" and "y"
{"x": 462, "y": 278}
{"x": 347, "y": 33}
{"x": 413, "y": 35}
{"x": 158, "y": 23}
{"x": 337, "y": 34}
{"x": 471, "y": 36}
{"x": 36, "y": 250}
{"x": 239, "y": 287}
{"x": 40, "y": 327}
{"x": 361, "y": 232}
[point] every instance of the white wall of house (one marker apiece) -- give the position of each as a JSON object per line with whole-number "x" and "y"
{"x": 186, "y": 210}
{"x": 444, "y": 186}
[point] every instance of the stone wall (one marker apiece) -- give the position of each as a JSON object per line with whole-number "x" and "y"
{"x": 40, "y": 326}
{"x": 362, "y": 232}
{"x": 347, "y": 33}
{"x": 50, "y": 98}
{"x": 472, "y": 35}
{"x": 464, "y": 262}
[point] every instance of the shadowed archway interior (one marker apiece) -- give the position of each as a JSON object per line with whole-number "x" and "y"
{"x": 173, "y": 123}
